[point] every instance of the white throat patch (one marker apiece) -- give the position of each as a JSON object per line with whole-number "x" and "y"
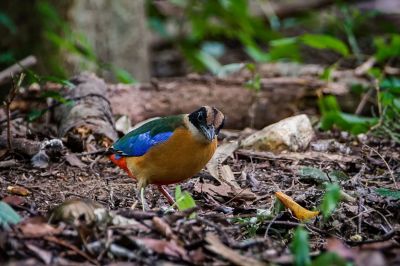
{"x": 195, "y": 132}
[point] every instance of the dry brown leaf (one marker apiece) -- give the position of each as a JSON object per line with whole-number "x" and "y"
{"x": 163, "y": 228}
{"x": 14, "y": 200}
{"x": 224, "y": 190}
{"x": 216, "y": 246}
{"x": 221, "y": 154}
{"x": 18, "y": 190}
{"x": 35, "y": 230}
{"x": 44, "y": 255}
{"x": 298, "y": 211}
{"x": 170, "y": 248}
{"x": 73, "y": 160}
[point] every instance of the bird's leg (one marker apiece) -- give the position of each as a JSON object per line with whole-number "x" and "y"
{"x": 143, "y": 200}
{"x": 166, "y": 194}
{"x": 140, "y": 195}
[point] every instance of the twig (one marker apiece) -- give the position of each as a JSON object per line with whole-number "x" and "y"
{"x": 7, "y": 102}
{"x": 8, "y": 163}
{"x": 269, "y": 225}
{"x": 71, "y": 247}
{"x": 363, "y": 102}
{"x": 91, "y": 152}
{"x": 360, "y": 215}
{"x": 387, "y": 165}
{"x": 13, "y": 70}
{"x": 385, "y": 237}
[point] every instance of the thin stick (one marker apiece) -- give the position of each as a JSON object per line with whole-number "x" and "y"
{"x": 8, "y": 101}
{"x": 387, "y": 165}
{"x": 18, "y": 67}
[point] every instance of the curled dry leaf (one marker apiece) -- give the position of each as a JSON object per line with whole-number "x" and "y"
{"x": 169, "y": 248}
{"x": 73, "y": 160}
{"x": 164, "y": 228}
{"x": 222, "y": 153}
{"x": 44, "y": 255}
{"x": 228, "y": 187}
{"x": 36, "y": 230}
{"x": 217, "y": 247}
{"x": 14, "y": 200}
{"x": 18, "y": 190}
{"x": 299, "y": 212}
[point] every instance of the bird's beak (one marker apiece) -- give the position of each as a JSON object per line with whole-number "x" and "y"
{"x": 208, "y": 131}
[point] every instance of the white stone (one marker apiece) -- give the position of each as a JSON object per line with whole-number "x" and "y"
{"x": 293, "y": 134}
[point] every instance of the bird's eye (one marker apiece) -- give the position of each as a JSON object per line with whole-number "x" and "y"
{"x": 200, "y": 117}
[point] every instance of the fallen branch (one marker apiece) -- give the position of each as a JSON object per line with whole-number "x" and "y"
{"x": 7, "y": 74}
{"x": 90, "y": 118}
{"x": 21, "y": 145}
{"x": 278, "y": 98}
{"x": 297, "y": 156}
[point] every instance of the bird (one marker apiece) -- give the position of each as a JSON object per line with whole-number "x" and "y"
{"x": 169, "y": 149}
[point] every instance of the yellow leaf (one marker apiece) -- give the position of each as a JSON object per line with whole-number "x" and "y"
{"x": 18, "y": 190}
{"x": 298, "y": 211}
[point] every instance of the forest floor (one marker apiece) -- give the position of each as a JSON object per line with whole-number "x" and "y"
{"x": 242, "y": 228}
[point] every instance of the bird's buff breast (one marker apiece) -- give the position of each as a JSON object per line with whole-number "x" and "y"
{"x": 173, "y": 161}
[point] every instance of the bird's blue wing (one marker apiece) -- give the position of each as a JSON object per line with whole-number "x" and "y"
{"x": 140, "y": 144}
{"x": 140, "y": 140}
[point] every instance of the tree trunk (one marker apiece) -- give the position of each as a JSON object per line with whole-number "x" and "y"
{"x": 118, "y": 32}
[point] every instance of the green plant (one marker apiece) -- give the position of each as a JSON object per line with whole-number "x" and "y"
{"x": 331, "y": 115}
{"x": 330, "y": 200}
{"x": 300, "y": 247}
{"x": 252, "y": 224}
{"x": 184, "y": 200}
{"x": 395, "y": 194}
{"x": 301, "y": 252}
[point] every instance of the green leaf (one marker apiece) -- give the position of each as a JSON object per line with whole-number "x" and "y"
{"x": 124, "y": 76}
{"x": 257, "y": 54}
{"x": 6, "y": 21}
{"x": 391, "y": 84}
{"x": 58, "y": 80}
{"x": 313, "y": 173}
{"x": 300, "y": 247}
{"x": 320, "y": 41}
{"x": 327, "y": 74}
{"x": 330, "y": 258}
{"x": 7, "y": 57}
{"x": 328, "y": 104}
{"x": 330, "y": 200}
{"x": 184, "y": 200}
{"x": 8, "y": 215}
{"x": 388, "y": 193}
{"x": 208, "y": 61}
{"x": 56, "y": 96}
{"x": 278, "y": 207}
{"x": 338, "y": 175}
{"x": 35, "y": 114}
{"x": 332, "y": 116}
{"x": 387, "y": 48}
{"x": 254, "y": 83}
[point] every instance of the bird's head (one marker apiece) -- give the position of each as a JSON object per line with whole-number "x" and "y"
{"x": 206, "y": 122}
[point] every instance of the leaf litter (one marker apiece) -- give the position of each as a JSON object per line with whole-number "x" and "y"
{"x": 227, "y": 227}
